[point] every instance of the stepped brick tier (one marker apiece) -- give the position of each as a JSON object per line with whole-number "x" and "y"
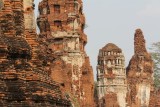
{"x": 139, "y": 74}
{"x": 111, "y": 77}
{"x": 23, "y": 81}
{"x": 62, "y": 41}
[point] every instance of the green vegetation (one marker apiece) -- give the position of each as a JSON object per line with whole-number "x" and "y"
{"x": 155, "y": 52}
{"x": 1, "y": 4}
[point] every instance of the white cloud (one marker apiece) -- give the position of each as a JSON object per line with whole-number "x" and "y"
{"x": 150, "y": 10}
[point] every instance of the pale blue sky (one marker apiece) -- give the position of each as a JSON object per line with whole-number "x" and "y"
{"x": 116, "y": 20}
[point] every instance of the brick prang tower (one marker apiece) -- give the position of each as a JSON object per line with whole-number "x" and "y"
{"x": 62, "y": 41}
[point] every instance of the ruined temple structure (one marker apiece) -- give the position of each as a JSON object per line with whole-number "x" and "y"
{"x": 52, "y": 69}
{"x": 130, "y": 87}
{"x": 23, "y": 80}
{"x": 111, "y": 77}
{"x": 62, "y": 41}
{"x": 139, "y": 74}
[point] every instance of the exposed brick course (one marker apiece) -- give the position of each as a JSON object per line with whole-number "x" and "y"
{"x": 23, "y": 80}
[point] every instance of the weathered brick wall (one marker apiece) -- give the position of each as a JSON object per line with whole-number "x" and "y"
{"x": 155, "y": 98}
{"x": 7, "y": 19}
{"x": 61, "y": 25}
{"x": 139, "y": 73}
{"x": 23, "y": 77}
{"x": 109, "y": 100}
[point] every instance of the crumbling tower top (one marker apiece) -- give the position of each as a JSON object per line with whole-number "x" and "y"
{"x": 139, "y": 42}
{"x": 111, "y": 47}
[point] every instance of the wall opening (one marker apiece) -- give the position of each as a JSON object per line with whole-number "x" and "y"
{"x": 56, "y": 8}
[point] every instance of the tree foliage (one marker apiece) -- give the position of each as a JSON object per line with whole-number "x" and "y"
{"x": 1, "y": 4}
{"x": 155, "y": 52}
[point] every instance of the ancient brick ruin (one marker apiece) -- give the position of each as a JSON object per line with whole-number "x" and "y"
{"x": 132, "y": 87}
{"x": 52, "y": 69}
{"x": 111, "y": 77}
{"x": 139, "y": 73}
{"x": 49, "y": 69}
{"x": 62, "y": 43}
{"x": 23, "y": 80}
